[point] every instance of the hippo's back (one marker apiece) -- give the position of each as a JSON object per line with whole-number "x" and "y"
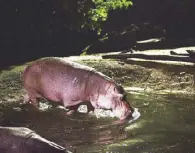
{"x": 58, "y": 67}
{"x": 55, "y": 79}
{"x": 54, "y": 65}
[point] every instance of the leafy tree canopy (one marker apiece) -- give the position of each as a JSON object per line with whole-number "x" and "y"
{"x": 98, "y": 12}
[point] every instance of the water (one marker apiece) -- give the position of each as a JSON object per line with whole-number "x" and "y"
{"x": 166, "y": 125}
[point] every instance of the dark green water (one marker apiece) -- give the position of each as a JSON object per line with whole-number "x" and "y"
{"x": 166, "y": 125}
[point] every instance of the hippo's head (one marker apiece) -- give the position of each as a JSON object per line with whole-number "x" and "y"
{"x": 115, "y": 99}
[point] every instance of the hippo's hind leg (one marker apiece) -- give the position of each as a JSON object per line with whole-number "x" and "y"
{"x": 26, "y": 99}
{"x": 31, "y": 97}
{"x": 72, "y": 109}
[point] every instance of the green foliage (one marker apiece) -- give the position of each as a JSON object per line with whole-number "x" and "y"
{"x": 84, "y": 13}
{"x": 99, "y": 13}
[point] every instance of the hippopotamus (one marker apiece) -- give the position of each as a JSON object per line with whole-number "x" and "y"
{"x": 24, "y": 140}
{"x": 69, "y": 84}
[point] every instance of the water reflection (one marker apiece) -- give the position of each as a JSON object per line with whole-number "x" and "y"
{"x": 166, "y": 125}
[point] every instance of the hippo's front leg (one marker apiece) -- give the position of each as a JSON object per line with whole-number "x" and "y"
{"x": 95, "y": 105}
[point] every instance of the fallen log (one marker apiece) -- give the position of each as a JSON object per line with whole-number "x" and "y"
{"x": 151, "y": 57}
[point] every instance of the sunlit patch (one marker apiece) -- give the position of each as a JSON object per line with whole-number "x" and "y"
{"x": 16, "y": 109}
{"x": 44, "y": 106}
{"x": 82, "y": 109}
{"x": 103, "y": 113}
{"x": 132, "y": 126}
{"x": 138, "y": 125}
{"x": 126, "y": 142}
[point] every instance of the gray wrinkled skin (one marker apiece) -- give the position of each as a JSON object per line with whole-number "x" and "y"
{"x": 70, "y": 84}
{"x": 24, "y": 140}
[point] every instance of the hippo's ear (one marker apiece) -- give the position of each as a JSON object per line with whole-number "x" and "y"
{"x": 117, "y": 92}
{"x": 119, "y": 89}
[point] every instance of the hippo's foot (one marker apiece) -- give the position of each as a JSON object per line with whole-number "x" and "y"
{"x": 31, "y": 100}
